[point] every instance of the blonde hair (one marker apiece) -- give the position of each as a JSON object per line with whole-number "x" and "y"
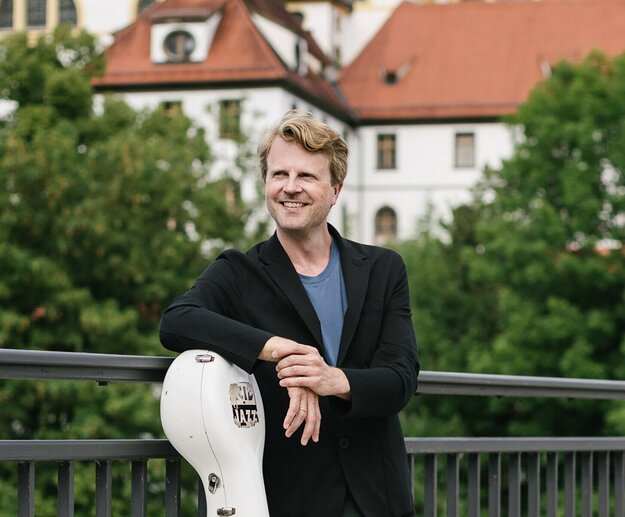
{"x": 311, "y": 135}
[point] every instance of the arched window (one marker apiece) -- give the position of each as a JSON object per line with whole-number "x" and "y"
{"x": 144, "y": 4}
{"x": 6, "y": 14}
{"x": 67, "y": 12}
{"x": 36, "y": 13}
{"x": 385, "y": 225}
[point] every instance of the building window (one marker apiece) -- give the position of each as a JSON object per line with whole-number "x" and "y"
{"x": 171, "y": 108}
{"x": 6, "y": 14}
{"x": 144, "y": 4}
{"x": 67, "y": 12}
{"x": 385, "y": 225}
{"x": 230, "y": 119}
{"x": 386, "y": 152}
{"x": 298, "y": 56}
{"x": 179, "y": 46}
{"x": 464, "y": 150}
{"x": 390, "y": 76}
{"x": 36, "y": 13}
{"x": 301, "y": 48}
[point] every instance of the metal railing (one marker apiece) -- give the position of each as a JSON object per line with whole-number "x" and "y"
{"x": 580, "y": 475}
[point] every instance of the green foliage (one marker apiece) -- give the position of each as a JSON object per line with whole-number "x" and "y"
{"x": 533, "y": 283}
{"x": 103, "y": 217}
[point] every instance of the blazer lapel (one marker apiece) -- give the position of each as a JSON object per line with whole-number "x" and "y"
{"x": 281, "y": 270}
{"x": 355, "y": 268}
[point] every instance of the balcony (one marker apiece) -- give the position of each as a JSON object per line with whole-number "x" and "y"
{"x": 452, "y": 476}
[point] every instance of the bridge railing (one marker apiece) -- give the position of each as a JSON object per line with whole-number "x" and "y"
{"x": 523, "y": 476}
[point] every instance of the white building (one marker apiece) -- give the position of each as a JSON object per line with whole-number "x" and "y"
{"x": 418, "y": 90}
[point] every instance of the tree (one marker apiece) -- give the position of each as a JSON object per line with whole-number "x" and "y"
{"x": 104, "y": 219}
{"x": 540, "y": 285}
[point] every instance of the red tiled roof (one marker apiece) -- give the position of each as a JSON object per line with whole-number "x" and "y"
{"x": 239, "y": 52}
{"x": 474, "y": 59}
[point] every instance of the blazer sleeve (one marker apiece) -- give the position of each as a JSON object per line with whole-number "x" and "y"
{"x": 204, "y": 318}
{"x": 386, "y": 386}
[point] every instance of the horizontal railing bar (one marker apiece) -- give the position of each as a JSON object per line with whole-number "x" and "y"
{"x": 104, "y": 450}
{"x": 512, "y": 445}
{"x": 85, "y": 450}
{"x": 451, "y": 383}
{"x": 36, "y": 364}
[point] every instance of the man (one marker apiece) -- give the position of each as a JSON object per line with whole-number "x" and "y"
{"x": 324, "y": 324}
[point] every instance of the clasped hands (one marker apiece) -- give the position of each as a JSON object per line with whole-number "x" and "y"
{"x": 306, "y": 376}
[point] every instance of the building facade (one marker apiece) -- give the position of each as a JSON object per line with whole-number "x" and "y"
{"x": 418, "y": 90}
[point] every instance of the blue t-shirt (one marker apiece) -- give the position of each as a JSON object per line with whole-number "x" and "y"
{"x": 329, "y": 298}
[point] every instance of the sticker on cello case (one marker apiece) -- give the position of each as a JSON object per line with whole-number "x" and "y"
{"x": 244, "y": 409}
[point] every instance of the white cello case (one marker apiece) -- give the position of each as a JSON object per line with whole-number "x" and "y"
{"x": 212, "y": 413}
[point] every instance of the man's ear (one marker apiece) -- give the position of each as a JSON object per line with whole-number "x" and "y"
{"x": 337, "y": 189}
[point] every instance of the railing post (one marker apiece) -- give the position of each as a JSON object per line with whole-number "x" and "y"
{"x": 619, "y": 484}
{"x": 533, "y": 484}
{"x": 431, "y": 485}
{"x": 587, "y": 461}
{"x": 103, "y": 490}
{"x": 569, "y": 484}
{"x": 514, "y": 485}
{"x": 201, "y": 499}
{"x": 65, "y": 498}
{"x": 138, "y": 506}
{"x": 474, "y": 486}
{"x": 26, "y": 489}
{"x": 172, "y": 488}
{"x": 603, "y": 481}
{"x": 453, "y": 480}
{"x": 552, "y": 484}
{"x": 494, "y": 485}
{"x": 411, "y": 466}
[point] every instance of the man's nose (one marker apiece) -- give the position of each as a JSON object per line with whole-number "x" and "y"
{"x": 292, "y": 184}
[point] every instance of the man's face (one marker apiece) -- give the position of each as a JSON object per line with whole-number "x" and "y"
{"x": 298, "y": 188}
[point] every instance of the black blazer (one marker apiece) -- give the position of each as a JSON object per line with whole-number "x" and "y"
{"x": 241, "y": 300}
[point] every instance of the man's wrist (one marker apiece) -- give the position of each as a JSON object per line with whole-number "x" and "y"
{"x": 268, "y": 348}
{"x": 343, "y": 388}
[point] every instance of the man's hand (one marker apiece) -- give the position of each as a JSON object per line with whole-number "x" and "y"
{"x": 306, "y": 376}
{"x": 302, "y": 366}
{"x": 275, "y": 348}
{"x": 303, "y": 407}
{"x": 304, "y": 403}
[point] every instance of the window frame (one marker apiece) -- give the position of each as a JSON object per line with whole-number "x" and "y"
{"x": 39, "y": 11}
{"x": 68, "y": 8}
{"x": 181, "y": 53}
{"x": 386, "y": 159}
{"x": 464, "y": 158}
{"x": 385, "y": 225}
{"x": 6, "y": 14}
{"x": 230, "y": 118}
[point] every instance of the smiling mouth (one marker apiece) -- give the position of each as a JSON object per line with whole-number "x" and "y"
{"x": 292, "y": 204}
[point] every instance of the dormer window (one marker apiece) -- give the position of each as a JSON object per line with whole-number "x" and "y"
{"x": 390, "y": 76}
{"x": 182, "y": 35}
{"x": 179, "y": 45}
{"x": 394, "y": 75}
